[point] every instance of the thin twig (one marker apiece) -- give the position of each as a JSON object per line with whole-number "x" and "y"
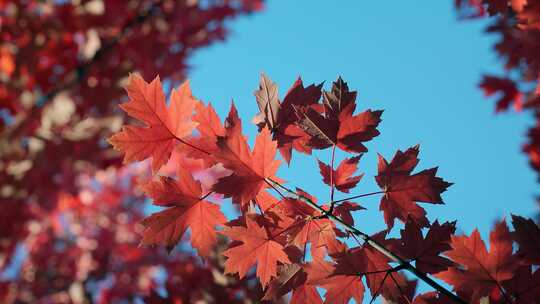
{"x": 332, "y": 181}
{"x": 376, "y": 294}
{"x": 399, "y": 288}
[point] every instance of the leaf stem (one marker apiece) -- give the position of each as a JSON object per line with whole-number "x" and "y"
{"x": 376, "y": 245}
{"x": 332, "y": 186}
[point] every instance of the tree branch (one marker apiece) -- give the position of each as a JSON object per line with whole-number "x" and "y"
{"x": 376, "y": 245}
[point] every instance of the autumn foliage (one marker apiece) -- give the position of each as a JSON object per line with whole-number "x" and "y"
{"x": 291, "y": 242}
{"x": 79, "y": 95}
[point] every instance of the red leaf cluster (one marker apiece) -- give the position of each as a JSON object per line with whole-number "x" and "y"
{"x": 292, "y": 242}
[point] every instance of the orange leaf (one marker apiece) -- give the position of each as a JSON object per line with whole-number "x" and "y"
{"x": 187, "y": 210}
{"x": 162, "y": 126}
{"x": 249, "y": 168}
{"x": 256, "y": 248}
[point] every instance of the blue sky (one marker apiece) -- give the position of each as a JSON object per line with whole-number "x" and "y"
{"x": 416, "y": 61}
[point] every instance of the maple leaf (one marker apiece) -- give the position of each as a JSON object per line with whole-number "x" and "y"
{"x": 250, "y": 169}
{"x": 402, "y": 190}
{"x": 527, "y": 235}
{"x": 481, "y": 272}
{"x": 266, "y": 200}
{"x": 425, "y": 251}
{"x": 319, "y": 232}
{"x": 524, "y": 287}
{"x": 211, "y": 133}
{"x": 268, "y": 102}
{"x": 379, "y": 278}
{"x": 281, "y": 117}
{"x": 348, "y": 132}
{"x": 162, "y": 126}
{"x": 187, "y": 210}
{"x": 292, "y": 277}
{"x": 305, "y": 294}
{"x": 305, "y": 227}
{"x": 340, "y": 287}
{"x": 333, "y": 123}
{"x": 344, "y": 209}
{"x": 343, "y": 279}
{"x": 208, "y": 122}
{"x": 341, "y": 177}
{"x": 256, "y": 247}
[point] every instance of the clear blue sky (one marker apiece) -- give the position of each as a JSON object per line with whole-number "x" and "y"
{"x": 412, "y": 59}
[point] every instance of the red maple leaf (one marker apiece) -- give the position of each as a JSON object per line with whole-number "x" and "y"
{"x": 425, "y": 252}
{"x": 280, "y": 118}
{"x": 187, "y": 209}
{"x": 250, "y": 169}
{"x": 211, "y": 132}
{"x": 524, "y": 287}
{"x": 402, "y": 189}
{"x": 340, "y": 287}
{"x": 163, "y": 126}
{"x": 304, "y": 225}
{"x": 343, "y": 279}
{"x": 321, "y": 233}
{"x": 208, "y": 122}
{"x": 481, "y": 272}
{"x": 268, "y": 102}
{"x": 347, "y": 131}
{"x": 257, "y": 247}
{"x": 341, "y": 177}
{"x": 266, "y": 201}
{"x": 527, "y": 235}
{"x": 292, "y": 277}
{"x": 344, "y": 209}
{"x": 380, "y": 279}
